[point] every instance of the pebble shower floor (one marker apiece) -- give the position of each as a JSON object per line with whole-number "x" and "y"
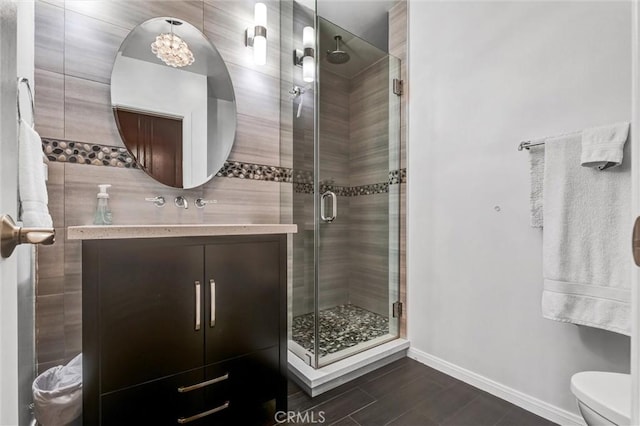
{"x": 341, "y": 327}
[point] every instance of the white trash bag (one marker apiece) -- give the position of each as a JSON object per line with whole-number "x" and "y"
{"x": 57, "y": 394}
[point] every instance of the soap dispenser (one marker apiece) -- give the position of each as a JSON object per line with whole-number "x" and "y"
{"x": 103, "y": 213}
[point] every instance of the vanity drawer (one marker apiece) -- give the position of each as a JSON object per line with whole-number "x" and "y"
{"x": 252, "y": 378}
{"x": 254, "y": 381}
{"x": 240, "y": 391}
{"x": 160, "y": 402}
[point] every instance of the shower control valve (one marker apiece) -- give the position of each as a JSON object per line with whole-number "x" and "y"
{"x": 296, "y": 91}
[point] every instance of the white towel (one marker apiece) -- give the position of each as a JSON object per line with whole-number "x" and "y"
{"x": 31, "y": 179}
{"x": 536, "y": 174}
{"x": 586, "y": 240}
{"x": 602, "y": 147}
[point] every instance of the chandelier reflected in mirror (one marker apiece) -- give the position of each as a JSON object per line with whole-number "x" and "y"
{"x": 171, "y": 49}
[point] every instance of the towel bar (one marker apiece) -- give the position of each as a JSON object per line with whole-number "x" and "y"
{"x": 528, "y": 144}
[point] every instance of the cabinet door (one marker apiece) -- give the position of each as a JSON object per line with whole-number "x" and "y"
{"x": 147, "y": 311}
{"x": 242, "y": 295}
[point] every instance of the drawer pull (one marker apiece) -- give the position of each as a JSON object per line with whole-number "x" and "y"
{"x": 197, "y": 305}
{"x": 212, "y": 283}
{"x": 183, "y": 389}
{"x": 183, "y": 420}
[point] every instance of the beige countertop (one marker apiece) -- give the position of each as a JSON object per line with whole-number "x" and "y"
{"x": 113, "y": 232}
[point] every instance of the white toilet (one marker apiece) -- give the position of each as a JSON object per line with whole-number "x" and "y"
{"x": 604, "y": 398}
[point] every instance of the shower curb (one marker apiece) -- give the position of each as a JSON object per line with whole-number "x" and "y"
{"x": 317, "y": 381}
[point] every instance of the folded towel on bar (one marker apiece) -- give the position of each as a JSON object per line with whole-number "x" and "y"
{"x": 586, "y": 260}
{"x": 602, "y": 147}
{"x": 536, "y": 178}
{"x": 31, "y": 179}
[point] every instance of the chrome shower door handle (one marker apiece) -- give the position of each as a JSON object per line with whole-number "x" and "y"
{"x": 334, "y": 206}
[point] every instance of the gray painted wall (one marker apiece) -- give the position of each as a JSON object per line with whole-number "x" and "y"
{"x": 487, "y": 76}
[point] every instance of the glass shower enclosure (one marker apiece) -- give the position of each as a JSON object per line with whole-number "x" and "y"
{"x": 345, "y": 151}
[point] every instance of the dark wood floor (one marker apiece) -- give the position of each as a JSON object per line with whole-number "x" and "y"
{"x": 408, "y": 393}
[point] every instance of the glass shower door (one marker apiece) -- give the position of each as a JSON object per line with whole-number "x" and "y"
{"x": 356, "y": 195}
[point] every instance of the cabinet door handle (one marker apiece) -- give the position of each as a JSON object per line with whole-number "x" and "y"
{"x": 197, "y": 305}
{"x": 183, "y": 389}
{"x": 183, "y": 420}
{"x": 212, "y": 284}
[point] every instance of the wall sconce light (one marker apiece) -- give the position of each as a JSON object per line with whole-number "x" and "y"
{"x": 305, "y": 58}
{"x": 256, "y": 37}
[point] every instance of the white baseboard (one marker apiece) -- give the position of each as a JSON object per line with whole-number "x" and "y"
{"x": 527, "y": 402}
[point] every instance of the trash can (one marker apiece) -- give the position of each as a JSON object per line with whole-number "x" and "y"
{"x": 57, "y": 394}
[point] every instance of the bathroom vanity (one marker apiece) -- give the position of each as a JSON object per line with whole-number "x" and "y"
{"x": 183, "y": 324}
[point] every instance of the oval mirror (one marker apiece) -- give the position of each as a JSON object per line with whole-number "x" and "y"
{"x": 173, "y": 102}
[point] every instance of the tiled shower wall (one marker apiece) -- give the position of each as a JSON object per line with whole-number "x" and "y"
{"x": 354, "y": 151}
{"x": 370, "y": 215}
{"x": 76, "y": 42}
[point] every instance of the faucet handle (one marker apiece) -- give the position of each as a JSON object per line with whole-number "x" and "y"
{"x": 201, "y": 203}
{"x": 182, "y": 202}
{"x": 158, "y": 201}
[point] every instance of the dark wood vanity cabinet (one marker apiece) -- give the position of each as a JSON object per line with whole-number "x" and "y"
{"x": 174, "y": 328}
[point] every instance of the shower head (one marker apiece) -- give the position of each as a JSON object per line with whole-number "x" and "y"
{"x": 337, "y": 56}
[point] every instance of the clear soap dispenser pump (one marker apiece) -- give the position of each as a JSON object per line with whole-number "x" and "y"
{"x": 103, "y": 213}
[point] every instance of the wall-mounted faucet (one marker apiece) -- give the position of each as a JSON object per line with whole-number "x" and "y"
{"x": 159, "y": 201}
{"x": 182, "y": 202}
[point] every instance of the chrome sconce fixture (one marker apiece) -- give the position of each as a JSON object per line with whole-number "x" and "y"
{"x": 305, "y": 58}
{"x": 256, "y": 37}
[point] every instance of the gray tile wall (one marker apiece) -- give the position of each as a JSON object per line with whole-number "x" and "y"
{"x": 368, "y": 224}
{"x": 76, "y": 42}
{"x": 335, "y": 169}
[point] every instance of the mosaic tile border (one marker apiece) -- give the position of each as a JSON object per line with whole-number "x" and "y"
{"x": 85, "y": 153}
{"x": 305, "y": 184}
{"x": 344, "y": 191}
{"x": 235, "y": 169}
{"x": 113, "y": 156}
{"x": 398, "y": 176}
